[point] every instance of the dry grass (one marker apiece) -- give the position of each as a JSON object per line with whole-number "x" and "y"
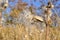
{"x": 20, "y": 32}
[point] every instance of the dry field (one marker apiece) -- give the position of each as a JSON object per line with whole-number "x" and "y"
{"x": 20, "y": 32}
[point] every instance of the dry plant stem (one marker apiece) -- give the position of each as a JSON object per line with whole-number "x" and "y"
{"x": 47, "y": 29}
{"x": 0, "y": 17}
{"x": 47, "y": 32}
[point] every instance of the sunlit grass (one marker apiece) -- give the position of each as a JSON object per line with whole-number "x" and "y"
{"x": 20, "y": 32}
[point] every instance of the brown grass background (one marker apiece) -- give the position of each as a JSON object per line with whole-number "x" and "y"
{"x": 20, "y": 32}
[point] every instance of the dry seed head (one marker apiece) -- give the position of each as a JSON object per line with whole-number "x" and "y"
{"x": 50, "y": 5}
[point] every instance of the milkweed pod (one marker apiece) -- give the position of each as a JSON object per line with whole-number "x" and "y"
{"x": 5, "y": 5}
{"x": 39, "y": 18}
